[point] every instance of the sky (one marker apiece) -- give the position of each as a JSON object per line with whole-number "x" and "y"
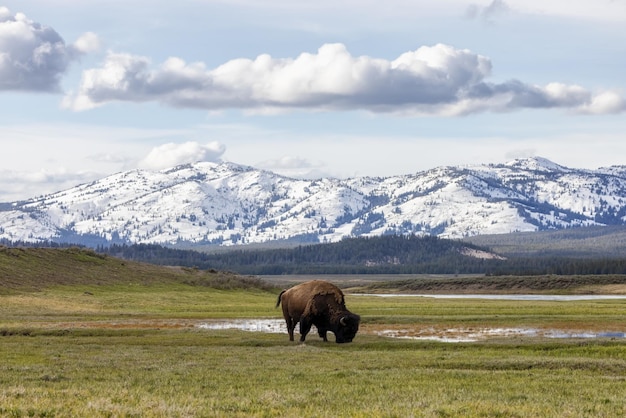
{"x": 340, "y": 88}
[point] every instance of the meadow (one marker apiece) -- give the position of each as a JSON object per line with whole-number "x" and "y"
{"x": 136, "y": 350}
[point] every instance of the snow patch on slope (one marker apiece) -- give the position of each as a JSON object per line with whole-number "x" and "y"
{"x": 227, "y": 204}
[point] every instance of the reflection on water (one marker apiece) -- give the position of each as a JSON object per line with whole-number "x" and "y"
{"x": 450, "y": 335}
{"x": 561, "y": 334}
{"x": 455, "y": 335}
{"x": 563, "y": 298}
{"x": 254, "y": 325}
{"x": 274, "y": 326}
{"x": 458, "y": 335}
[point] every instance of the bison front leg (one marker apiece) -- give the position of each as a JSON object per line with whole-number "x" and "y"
{"x": 322, "y": 333}
{"x": 305, "y": 327}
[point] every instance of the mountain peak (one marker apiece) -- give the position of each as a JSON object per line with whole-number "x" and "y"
{"x": 226, "y": 204}
{"x": 536, "y": 164}
{"x": 208, "y": 166}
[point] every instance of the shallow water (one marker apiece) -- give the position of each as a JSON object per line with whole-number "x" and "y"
{"x": 564, "y": 298}
{"x": 456, "y": 335}
{"x": 253, "y": 325}
{"x": 451, "y": 335}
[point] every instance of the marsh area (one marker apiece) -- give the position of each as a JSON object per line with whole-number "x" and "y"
{"x": 452, "y": 334}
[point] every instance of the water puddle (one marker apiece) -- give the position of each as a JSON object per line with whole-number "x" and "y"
{"x": 274, "y": 326}
{"x": 455, "y": 335}
{"x": 449, "y": 335}
{"x": 562, "y": 334}
{"x": 459, "y": 335}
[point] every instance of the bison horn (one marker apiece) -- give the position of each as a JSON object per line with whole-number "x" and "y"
{"x": 342, "y": 321}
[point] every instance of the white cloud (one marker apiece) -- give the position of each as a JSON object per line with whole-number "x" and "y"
{"x": 33, "y": 56}
{"x": 86, "y": 43}
{"x": 173, "y": 154}
{"x": 39, "y": 157}
{"x": 18, "y": 185}
{"x": 295, "y": 167}
{"x": 287, "y": 161}
{"x": 607, "y": 102}
{"x": 435, "y": 80}
{"x": 487, "y": 13}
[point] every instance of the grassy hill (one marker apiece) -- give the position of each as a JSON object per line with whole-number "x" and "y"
{"x": 37, "y": 268}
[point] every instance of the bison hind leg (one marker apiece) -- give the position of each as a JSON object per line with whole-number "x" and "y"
{"x": 291, "y": 325}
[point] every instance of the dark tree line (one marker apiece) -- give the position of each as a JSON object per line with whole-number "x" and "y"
{"x": 391, "y": 254}
{"x": 45, "y": 244}
{"x": 373, "y": 255}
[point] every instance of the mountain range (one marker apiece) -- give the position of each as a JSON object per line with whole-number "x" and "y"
{"x": 229, "y": 204}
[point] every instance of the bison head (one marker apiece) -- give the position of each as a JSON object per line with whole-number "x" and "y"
{"x": 347, "y": 327}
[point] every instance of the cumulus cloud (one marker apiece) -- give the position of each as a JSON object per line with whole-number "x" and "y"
{"x": 606, "y": 102}
{"x": 437, "y": 80}
{"x": 33, "y": 56}
{"x": 173, "y": 154}
{"x": 86, "y": 43}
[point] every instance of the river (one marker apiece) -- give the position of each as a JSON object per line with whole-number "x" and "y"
{"x": 563, "y": 298}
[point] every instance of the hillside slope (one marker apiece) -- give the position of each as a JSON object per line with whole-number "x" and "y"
{"x": 31, "y": 269}
{"x": 588, "y": 242}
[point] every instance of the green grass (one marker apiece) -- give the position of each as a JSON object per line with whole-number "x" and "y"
{"x": 88, "y": 336}
{"x": 107, "y": 351}
{"x": 607, "y": 315}
{"x": 192, "y": 373}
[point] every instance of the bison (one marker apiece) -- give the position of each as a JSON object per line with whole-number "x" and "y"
{"x": 318, "y": 303}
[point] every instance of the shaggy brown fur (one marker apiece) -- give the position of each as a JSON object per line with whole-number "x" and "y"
{"x": 318, "y": 303}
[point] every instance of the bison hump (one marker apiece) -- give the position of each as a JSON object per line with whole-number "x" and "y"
{"x": 322, "y": 305}
{"x": 315, "y": 297}
{"x": 322, "y": 287}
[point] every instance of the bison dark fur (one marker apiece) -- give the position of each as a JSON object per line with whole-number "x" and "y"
{"x": 318, "y": 303}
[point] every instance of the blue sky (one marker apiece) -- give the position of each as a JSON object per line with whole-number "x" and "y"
{"x": 335, "y": 88}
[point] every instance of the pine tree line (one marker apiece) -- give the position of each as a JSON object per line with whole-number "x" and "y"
{"x": 372, "y": 255}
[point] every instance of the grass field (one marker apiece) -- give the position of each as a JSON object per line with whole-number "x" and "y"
{"x": 135, "y": 350}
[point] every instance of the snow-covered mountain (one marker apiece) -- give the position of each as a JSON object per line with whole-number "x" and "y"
{"x": 230, "y": 204}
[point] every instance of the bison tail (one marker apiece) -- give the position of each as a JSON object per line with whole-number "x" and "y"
{"x": 278, "y": 301}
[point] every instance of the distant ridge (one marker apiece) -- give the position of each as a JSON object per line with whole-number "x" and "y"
{"x": 590, "y": 242}
{"x": 228, "y": 204}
